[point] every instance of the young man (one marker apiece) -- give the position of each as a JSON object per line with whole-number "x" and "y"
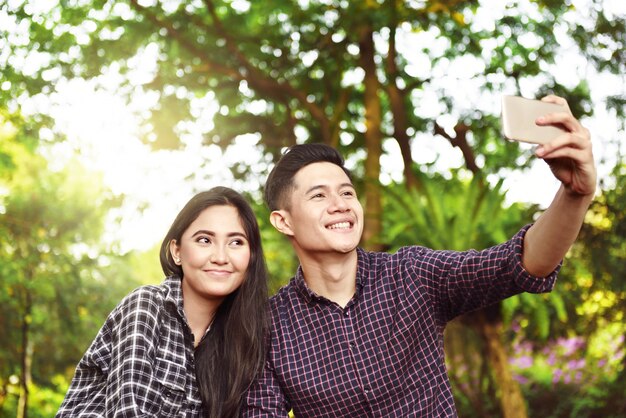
{"x": 360, "y": 334}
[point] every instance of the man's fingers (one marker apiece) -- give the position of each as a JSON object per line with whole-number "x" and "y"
{"x": 567, "y": 140}
{"x": 575, "y": 154}
{"x": 563, "y": 119}
{"x": 551, "y": 98}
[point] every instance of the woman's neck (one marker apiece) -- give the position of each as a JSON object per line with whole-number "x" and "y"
{"x": 200, "y": 314}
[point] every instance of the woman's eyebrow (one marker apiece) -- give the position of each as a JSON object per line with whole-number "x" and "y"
{"x": 211, "y": 233}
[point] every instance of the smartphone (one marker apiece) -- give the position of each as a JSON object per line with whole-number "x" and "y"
{"x": 518, "y": 119}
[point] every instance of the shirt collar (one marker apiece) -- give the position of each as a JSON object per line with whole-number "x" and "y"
{"x": 311, "y": 297}
{"x": 174, "y": 295}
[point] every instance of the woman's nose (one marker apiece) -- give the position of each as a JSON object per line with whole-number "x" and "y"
{"x": 218, "y": 255}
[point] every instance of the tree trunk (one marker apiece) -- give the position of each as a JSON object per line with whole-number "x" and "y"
{"x": 26, "y": 358}
{"x": 489, "y": 324}
{"x": 461, "y": 344}
{"x": 373, "y": 142}
{"x": 399, "y": 109}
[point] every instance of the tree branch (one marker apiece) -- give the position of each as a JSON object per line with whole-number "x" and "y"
{"x": 211, "y": 66}
{"x": 257, "y": 79}
{"x": 460, "y": 141}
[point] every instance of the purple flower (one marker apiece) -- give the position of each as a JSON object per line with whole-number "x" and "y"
{"x": 523, "y": 362}
{"x": 570, "y": 345}
{"x": 521, "y": 379}
{"x": 576, "y": 364}
{"x": 578, "y": 377}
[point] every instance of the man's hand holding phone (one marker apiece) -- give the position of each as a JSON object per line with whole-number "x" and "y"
{"x": 563, "y": 142}
{"x": 519, "y": 117}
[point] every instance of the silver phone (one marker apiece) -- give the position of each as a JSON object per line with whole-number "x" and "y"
{"x": 518, "y": 119}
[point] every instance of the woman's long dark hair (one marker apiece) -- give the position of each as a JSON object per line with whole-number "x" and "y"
{"x": 232, "y": 353}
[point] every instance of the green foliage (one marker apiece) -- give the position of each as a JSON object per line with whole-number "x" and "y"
{"x": 604, "y": 246}
{"x": 57, "y": 281}
{"x": 276, "y": 66}
{"x": 580, "y": 370}
{"x": 458, "y": 215}
{"x": 288, "y": 70}
{"x": 599, "y": 397}
{"x": 44, "y": 400}
{"x": 448, "y": 214}
{"x": 280, "y": 258}
{"x": 144, "y": 266}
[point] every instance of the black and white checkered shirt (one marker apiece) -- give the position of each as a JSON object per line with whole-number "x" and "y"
{"x": 141, "y": 363}
{"x": 382, "y": 355}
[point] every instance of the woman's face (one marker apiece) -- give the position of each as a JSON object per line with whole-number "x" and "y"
{"x": 214, "y": 254}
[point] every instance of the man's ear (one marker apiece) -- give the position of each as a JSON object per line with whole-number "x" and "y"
{"x": 280, "y": 220}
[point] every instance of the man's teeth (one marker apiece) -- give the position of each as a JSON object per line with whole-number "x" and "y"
{"x": 340, "y": 225}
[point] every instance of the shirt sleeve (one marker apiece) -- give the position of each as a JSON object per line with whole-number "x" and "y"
{"x": 463, "y": 281}
{"x": 112, "y": 379}
{"x": 265, "y": 398}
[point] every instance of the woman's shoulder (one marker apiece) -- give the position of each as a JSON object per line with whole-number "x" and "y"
{"x": 143, "y": 300}
{"x": 149, "y": 293}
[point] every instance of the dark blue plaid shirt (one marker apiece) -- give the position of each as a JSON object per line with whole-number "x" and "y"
{"x": 141, "y": 363}
{"x": 382, "y": 355}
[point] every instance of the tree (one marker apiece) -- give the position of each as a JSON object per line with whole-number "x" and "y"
{"x": 342, "y": 72}
{"x": 50, "y": 264}
{"x": 603, "y": 242}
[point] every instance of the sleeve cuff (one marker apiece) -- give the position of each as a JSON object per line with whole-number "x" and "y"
{"x": 526, "y": 281}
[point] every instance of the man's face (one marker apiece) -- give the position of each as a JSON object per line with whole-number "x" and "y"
{"x": 325, "y": 215}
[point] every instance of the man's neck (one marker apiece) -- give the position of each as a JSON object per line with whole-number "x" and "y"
{"x": 332, "y": 276}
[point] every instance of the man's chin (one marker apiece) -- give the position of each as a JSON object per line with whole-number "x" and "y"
{"x": 346, "y": 249}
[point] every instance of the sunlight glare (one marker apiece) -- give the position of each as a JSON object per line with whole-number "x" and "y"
{"x": 104, "y": 130}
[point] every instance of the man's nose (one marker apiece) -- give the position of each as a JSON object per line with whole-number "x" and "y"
{"x": 338, "y": 204}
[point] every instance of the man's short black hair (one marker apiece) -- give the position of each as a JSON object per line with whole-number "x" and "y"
{"x": 280, "y": 180}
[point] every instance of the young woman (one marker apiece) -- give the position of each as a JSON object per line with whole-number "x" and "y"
{"x": 192, "y": 345}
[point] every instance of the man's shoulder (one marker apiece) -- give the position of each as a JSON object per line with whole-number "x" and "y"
{"x": 398, "y": 254}
{"x": 283, "y": 294}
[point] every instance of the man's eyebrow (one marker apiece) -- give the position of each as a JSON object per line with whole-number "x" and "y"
{"x": 319, "y": 186}
{"x": 325, "y": 187}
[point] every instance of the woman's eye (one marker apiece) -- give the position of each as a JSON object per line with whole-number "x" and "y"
{"x": 204, "y": 240}
{"x": 237, "y": 242}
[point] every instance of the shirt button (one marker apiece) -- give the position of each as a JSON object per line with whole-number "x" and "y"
{"x": 352, "y": 344}
{"x": 366, "y": 389}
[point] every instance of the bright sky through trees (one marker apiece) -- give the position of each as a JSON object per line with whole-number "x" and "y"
{"x": 103, "y": 130}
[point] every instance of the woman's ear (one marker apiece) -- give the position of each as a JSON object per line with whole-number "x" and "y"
{"x": 175, "y": 251}
{"x": 281, "y": 221}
